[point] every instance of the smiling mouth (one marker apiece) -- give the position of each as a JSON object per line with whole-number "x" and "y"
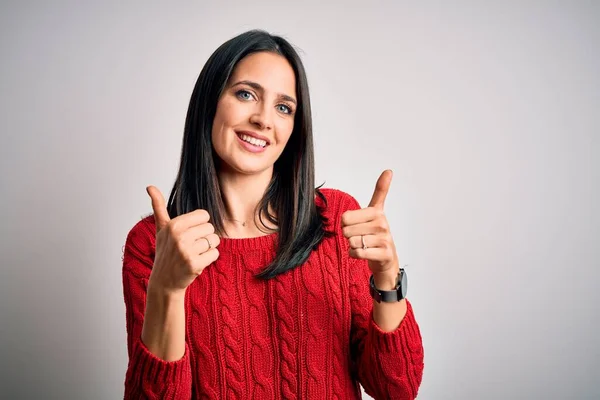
{"x": 253, "y": 141}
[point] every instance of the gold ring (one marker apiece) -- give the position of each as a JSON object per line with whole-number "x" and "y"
{"x": 362, "y": 239}
{"x": 209, "y": 244}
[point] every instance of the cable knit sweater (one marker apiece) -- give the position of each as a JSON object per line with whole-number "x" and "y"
{"x": 308, "y": 333}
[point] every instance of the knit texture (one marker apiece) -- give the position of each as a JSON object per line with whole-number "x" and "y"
{"x": 308, "y": 333}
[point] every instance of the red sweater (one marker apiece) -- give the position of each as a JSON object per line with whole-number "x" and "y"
{"x": 308, "y": 333}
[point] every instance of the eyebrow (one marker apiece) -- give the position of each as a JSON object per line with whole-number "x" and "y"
{"x": 257, "y": 86}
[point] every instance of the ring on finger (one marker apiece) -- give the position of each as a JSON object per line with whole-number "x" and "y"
{"x": 209, "y": 243}
{"x": 362, "y": 239}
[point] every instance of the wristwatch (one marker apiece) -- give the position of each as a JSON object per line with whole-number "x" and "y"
{"x": 390, "y": 296}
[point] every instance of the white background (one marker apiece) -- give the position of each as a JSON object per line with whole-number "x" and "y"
{"x": 488, "y": 113}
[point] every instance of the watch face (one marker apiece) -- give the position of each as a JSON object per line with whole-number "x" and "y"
{"x": 403, "y": 284}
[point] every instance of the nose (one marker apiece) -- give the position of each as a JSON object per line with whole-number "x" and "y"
{"x": 262, "y": 118}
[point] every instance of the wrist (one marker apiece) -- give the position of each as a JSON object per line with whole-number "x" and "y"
{"x": 165, "y": 296}
{"x": 387, "y": 280}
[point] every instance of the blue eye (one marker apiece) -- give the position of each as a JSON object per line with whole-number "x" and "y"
{"x": 240, "y": 94}
{"x": 286, "y": 109}
{"x": 246, "y": 95}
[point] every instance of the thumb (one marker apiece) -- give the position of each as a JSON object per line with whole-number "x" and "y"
{"x": 381, "y": 189}
{"x": 161, "y": 215}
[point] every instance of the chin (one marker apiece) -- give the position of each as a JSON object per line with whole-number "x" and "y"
{"x": 242, "y": 162}
{"x": 250, "y": 168}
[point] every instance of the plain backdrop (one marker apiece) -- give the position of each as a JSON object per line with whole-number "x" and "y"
{"x": 487, "y": 112}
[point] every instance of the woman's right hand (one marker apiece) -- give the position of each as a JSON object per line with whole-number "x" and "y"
{"x": 182, "y": 248}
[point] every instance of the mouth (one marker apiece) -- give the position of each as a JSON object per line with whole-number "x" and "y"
{"x": 251, "y": 144}
{"x": 253, "y": 139}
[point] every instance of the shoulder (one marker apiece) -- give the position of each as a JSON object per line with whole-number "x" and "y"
{"x": 337, "y": 201}
{"x": 140, "y": 243}
{"x": 143, "y": 231}
{"x": 333, "y": 203}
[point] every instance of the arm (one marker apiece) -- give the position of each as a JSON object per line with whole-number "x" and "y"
{"x": 149, "y": 374}
{"x": 389, "y": 364}
{"x": 386, "y": 344}
{"x": 388, "y": 316}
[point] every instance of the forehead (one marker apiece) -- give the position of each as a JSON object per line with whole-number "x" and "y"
{"x": 272, "y": 71}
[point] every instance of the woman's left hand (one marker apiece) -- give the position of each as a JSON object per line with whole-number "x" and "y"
{"x": 369, "y": 234}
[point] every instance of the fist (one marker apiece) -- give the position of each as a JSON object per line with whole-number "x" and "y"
{"x": 185, "y": 245}
{"x": 368, "y": 232}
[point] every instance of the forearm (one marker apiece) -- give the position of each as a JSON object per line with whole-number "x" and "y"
{"x": 163, "y": 331}
{"x": 388, "y": 316}
{"x": 390, "y": 357}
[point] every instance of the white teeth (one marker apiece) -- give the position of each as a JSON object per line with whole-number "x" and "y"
{"x": 254, "y": 141}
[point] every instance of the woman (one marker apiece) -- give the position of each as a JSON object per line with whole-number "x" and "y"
{"x": 251, "y": 283}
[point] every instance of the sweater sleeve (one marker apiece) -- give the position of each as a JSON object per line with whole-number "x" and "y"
{"x": 147, "y": 375}
{"x": 389, "y": 365}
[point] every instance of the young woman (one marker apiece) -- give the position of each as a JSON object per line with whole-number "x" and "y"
{"x": 250, "y": 282}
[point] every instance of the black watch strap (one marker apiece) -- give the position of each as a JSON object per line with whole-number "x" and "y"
{"x": 390, "y": 296}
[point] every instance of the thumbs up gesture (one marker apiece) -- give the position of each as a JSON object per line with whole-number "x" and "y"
{"x": 185, "y": 245}
{"x": 369, "y": 234}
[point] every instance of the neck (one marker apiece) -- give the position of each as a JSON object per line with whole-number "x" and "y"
{"x": 241, "y": 195}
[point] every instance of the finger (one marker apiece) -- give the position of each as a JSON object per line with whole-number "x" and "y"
{"x": 381, "y": 189}
{"x": 204, "y": 260}
{"x": 371, "y": 254}
{"x": 367, "y": 228}
{"x": 161, "y": 215}
{"x": 201, "y": 245}
{"x": 363, "y": 215}
{"x": 371, "y": 241}
{"x": 196, "y": 232}
{"x": 186, "y": 221}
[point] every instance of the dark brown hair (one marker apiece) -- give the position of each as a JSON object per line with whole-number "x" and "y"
{"x": 291, "y": 192}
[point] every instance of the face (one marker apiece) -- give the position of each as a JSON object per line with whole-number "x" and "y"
{"x": 255, "y": 114}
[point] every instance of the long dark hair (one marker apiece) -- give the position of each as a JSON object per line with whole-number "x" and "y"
{"x": 291, "y": 192}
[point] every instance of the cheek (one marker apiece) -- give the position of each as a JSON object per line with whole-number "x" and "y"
{"x": 285, "y": 131}
{"x": 216, "y": 129}
{"x": 223, "y": 119}
{"x": 230, "y": 111}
